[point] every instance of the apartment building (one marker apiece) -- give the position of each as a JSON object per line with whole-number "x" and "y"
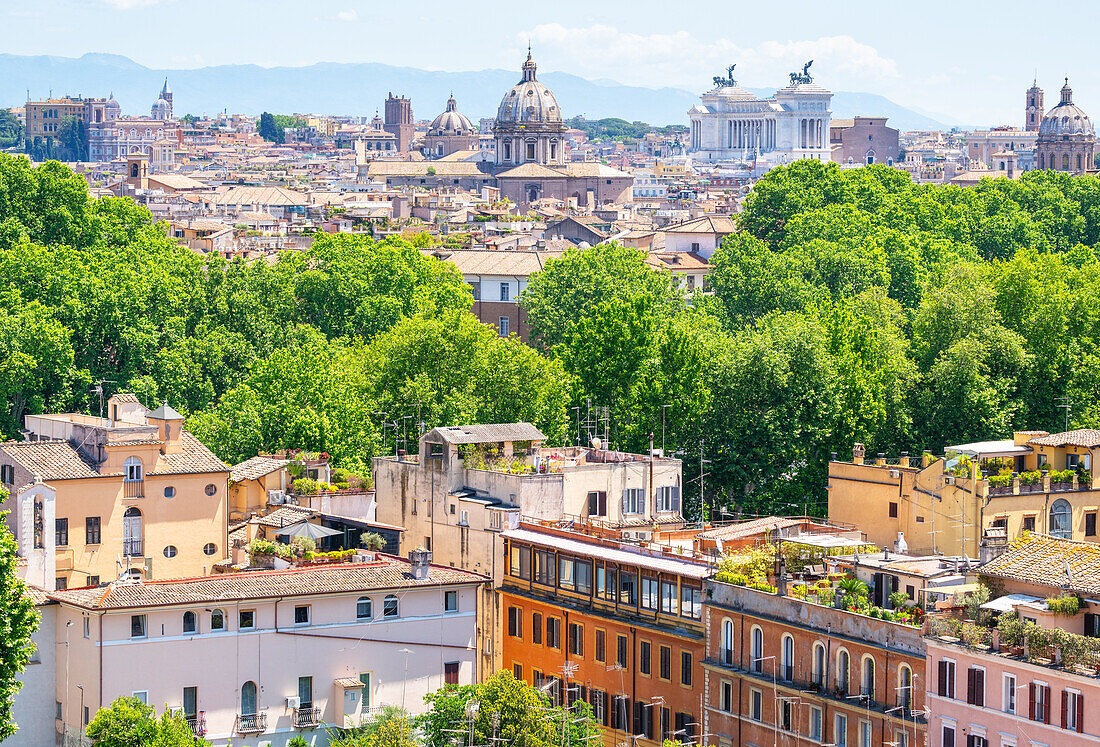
{"x": 132, "y": 494}
{"x": 780, "y": 670}
{"x": 44, "y": 117}
{"x": 978, "y": 493}
{"x": 470, "y": 483}
{"x": 255, "y": 658}
{"x": 1034, "y": 678}
{"x": 609, "y": 622}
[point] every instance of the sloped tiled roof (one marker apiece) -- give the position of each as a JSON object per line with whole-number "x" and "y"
{"x": 489, "y": 433}
{"x": 1042, "y": 559}
{"x": 751, "y": 528}
{"x": 194, "y": 457}
{"x": 720, "y": 224}
{"x": 51, "y": 460}
{"x": 1088, "y": 438}
{"x": 388, "y": 572}
{"x": 284, "y": 516}
{"x": 256, "y": 467}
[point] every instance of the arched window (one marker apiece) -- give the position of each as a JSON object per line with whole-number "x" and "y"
{"x": 1061, "y": 515}
{"x": 131, "y": 532}
{"x": 217, "y": 620}
{"x": 364, "y": 609}
{"x": 787, "y": 672}
{"x": 757, "y": 649}
{"x": 133, "y": 170}
{"x": 190, "y": 622}
{"x": 530, "y": 150}
{"x": 131, "y": 468}
{"x": 389, "y": 606}
{"x": 1065, "y": 162}
{"x": 905, "y": 687}
{"x": 727, "y": 641}
{"x": 843, "y": 669}
{"x": 819, "y": 664}
{"x": 1042, "y": 160}
{"x": 248, "y": 699}
{"x": 867, "y": 688}
{"x": 1078, "y": 161}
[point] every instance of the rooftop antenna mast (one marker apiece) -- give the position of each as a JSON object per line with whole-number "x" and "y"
{"x": 1065, "y": 404}
{"x": 98, "y": 389}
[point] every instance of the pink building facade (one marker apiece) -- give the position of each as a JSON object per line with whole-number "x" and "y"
{"x": 992, "y": 700}
{"x": 256, "y": 658}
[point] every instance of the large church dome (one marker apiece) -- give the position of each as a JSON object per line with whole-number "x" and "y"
{"x": 452, "y": 122}
{"x": 1065, "y": 119}
{"x": 529, "y": 102}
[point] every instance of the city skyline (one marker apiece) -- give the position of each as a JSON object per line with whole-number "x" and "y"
{"x": 934, "y": 70}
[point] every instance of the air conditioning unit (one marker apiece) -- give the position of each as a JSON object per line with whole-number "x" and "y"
{"x": 895, "y": 473}
{"x": 293, "y": 701}
{"x": 949, "y": 480}
{"x": 276, "y": 497}
{"x": 175, "y": 710}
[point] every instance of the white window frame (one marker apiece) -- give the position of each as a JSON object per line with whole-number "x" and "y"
{"x": 450, "y": 594}
{"x": 840, "y": 730}
{"x": 1071, "y": 709}
{"x": 633, "y": 501}
{"x": 756, "y": 704}
{"x": 866, "y": 733}
{"x": 144, "y": 627}
{"x": 817, "y": 723}
{"x": 142, "y": 695}
{"x": 504, "y": 326}
{"x": 668, "y": 499}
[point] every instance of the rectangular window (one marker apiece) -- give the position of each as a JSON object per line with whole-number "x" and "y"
{"x": 666, "y": 662}
{"x": 691, "y": 602}
{"x": 620, "y": 651}
{"x": 756, "y": 705}
{"x": 364, "y": 677}
{"x": 1029, "y": 524}
{"x": 92, "y": 581}
{"x": 685, "y": 668}
{"x": 505, "y": 289}
{"x": 1008, "y": 698}
{"x": 520, "y": 562}
{"x": 786, "y": 714}
{"x": 515, "y": 622}
{"x": 893, "y": 509}
{"x": 475, "y": 288}
{"x": 576, "y": 639}
{"x": 60, "y": 583}
{"x": 536, "y": 628}
{"x": 668, "y": 499}
{"x": 301, "y": 614}
{"x": 91, "y": 530}
{"x": 553, "y": 632}
{"x": 7, "y": 474}
{"x": 545, "y": 567}
{"x": 815, "y": 724}
{"x": 1039, "y": 702}
{"x": 598, "y": 701}
{"x": 727, "y": 696}
{"x": 628, "y": 588}
{"x": 597, "y": 503}
{"x": 450, "y": 600}
{"x": 1090, "y": 524}
{"x": 246, "y": 620}
{"x": 504, "y": 325}
{"x": 601, "y": 653}
{"x": 975, "y": 686}
{"x": 948, "y": 735}
{"x": 305, "y": 692}
{"x": 649, "y": 593}
{"x": 450, "y": 673}
{"x": 865, "y": 734}
{"x": 137, "y": 626}
{"x": 633, "y": 501}
{"x": 565, "y": 573}
{"x": 141, "y": 695}
{"x": 840, "y": 730}
{"x": 87, "y": 627}
{"x": 668, "y": 597}
{"x": 190, "y": 701}
{"x": 946, "y": 682}
{"x": 582, "y": 576}
{"x": 61, "y": 532}
{"x": 517, "y": 671}
{"x": 643, "y": 657}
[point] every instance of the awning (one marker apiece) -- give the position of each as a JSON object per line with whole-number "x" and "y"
{"x": 952, "y": 589}
{"x": 984, "y": 449}
{"x": 305, "y": 529}
{"x": 348, "y": 683}
{"x": 1009, "y": 601}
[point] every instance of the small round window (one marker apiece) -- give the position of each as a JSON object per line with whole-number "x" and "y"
{"x": 169, "y": 492}
{"x": 210, "y": 548}
{"x": 211, "y": 489}
{"x": 170, "y": 551}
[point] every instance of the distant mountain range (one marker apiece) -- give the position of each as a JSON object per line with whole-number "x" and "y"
{"x": 361, "y": 89}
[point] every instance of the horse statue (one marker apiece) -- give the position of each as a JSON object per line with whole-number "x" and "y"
{"x": 720, "y": 82}
{"x": 804, "y": 77}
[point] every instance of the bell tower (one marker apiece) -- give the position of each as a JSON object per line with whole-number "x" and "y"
{"x": 1033, "y": 113}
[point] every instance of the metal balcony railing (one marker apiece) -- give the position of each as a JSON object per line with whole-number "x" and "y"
{"x": 307, "y": 718}
{"x": 132, "y": 548}
{"x": 133, "y": 488}
{"x": 251, "y": 723}
{"x": 197, "y": 722}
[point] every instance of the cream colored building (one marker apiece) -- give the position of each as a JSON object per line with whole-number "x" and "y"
{"x": 470, "y": 483}
{"x": 979, "y": 495}
{"x": 132, "y": 494}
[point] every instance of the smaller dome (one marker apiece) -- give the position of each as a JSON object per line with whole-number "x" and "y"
{"x": 451, "y": 122}
{"x": 1066, "y": 119}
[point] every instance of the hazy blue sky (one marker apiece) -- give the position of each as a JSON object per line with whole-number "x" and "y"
{"x": 968, "y": 59}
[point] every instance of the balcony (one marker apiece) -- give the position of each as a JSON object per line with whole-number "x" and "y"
{"x": 307, "y": 718}
{"x": 132, "y": 548}
{"x": 197, "y": 722}
{"x": 133, "y": 488}
{"x": 253, "y": 723}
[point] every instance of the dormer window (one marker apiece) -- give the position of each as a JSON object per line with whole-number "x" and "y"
{"x": 132, "y": 470}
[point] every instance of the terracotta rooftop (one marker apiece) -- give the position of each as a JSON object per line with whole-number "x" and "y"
{"x": 388, "y": 572}
{"x": 751, "y": 528}
{"x": 256, "y": 467}
{"x": 1041, "y": 559}
{"x": 489, "y": 433}
{"x": 1088, "y": 438}
{"x": 285, "y": 516}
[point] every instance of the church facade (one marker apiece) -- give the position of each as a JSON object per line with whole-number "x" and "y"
{"x": 529, "y": 161}
{"x": 732, "y": 124}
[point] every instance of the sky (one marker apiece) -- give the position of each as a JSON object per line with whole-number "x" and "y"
{"x": 968, "y": 61}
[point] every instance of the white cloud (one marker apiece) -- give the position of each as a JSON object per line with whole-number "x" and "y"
{"x": 680, "y": 59}
{"x": 349, "y": 15}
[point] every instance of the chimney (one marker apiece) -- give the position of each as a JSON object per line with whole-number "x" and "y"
{"x": 420, "y": 562}
{"x": 903, "y": 460}
{"x": 901, "y": 546}
{"x": 925, "y": 458}
{"x": 858, "y": 450}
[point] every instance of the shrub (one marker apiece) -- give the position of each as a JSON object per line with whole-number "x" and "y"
{"x": 899, "y": 599}
{"x": 1000, "y": 481}
{"x": 1066, "y": 606}
{"x": 305, "y": 486}
{"x": 1031, "y": 478}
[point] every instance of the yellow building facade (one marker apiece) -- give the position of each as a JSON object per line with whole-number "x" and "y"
{"x": 133, "y": 495}
{"x": 978, "y": 493}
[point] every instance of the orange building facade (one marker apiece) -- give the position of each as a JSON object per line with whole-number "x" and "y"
{"x": 783, "y": 671}
{"x": 614, "y": 625}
